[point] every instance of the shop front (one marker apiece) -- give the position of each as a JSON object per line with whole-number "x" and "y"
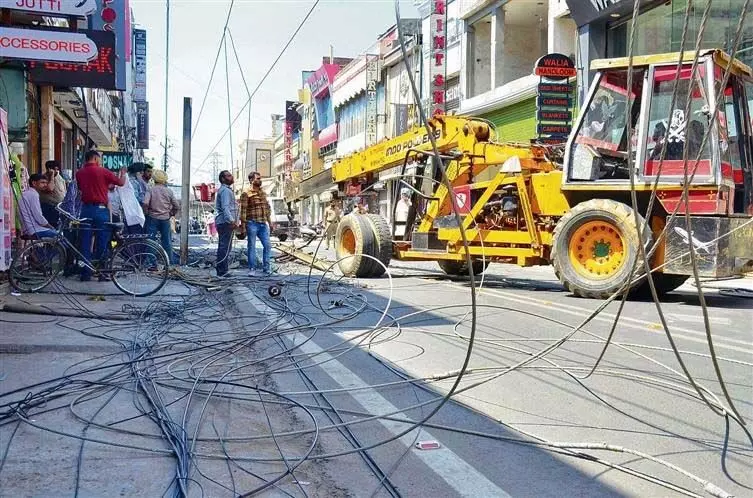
{"x": 604, "y": 29}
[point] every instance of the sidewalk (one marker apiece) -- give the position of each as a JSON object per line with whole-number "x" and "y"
{"x": 138, "y": 388}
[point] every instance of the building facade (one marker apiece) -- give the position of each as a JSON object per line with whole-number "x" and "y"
{"x": 604, "y": 29}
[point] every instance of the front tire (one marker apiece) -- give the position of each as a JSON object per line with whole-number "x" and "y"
{"x": 595, "y": 247}
{"x": 139, "y": 267}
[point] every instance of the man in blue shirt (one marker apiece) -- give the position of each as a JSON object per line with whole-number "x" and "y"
{"x": 226, "y": 221}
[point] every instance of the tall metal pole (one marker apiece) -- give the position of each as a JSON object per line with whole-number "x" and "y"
{"x": 167, "y": 74}
{"x": 186, "y": 187}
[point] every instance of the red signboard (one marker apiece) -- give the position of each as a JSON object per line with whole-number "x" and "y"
{"x": 99, "y": 73}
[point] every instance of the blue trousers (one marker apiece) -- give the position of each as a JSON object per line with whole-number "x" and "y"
{"x": 166, "y": 241}
{"x": 255, "y": 229}
{"x": 225, "y": 232}
{"x": 98, "y": 216}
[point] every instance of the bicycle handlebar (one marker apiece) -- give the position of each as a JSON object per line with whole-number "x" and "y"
{"x": 69, "y": 215}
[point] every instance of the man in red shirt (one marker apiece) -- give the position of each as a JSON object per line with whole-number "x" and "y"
{"x": 93, "y": 184}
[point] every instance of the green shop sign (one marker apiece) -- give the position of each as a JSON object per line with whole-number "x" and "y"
{"x": 116, "y": 160}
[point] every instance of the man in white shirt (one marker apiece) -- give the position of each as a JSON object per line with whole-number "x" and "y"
{"x": 30, "y": 208}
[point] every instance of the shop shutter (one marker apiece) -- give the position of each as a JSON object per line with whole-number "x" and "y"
{"x": 515, "y": 123}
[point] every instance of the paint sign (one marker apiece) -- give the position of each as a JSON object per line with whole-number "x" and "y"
{"x": 139, "y": 54}
{"x": 372, "y": 77}
{"x": 438, "y": 57}
{"x": 52, "y": 8}
{"x": 57, "y": 46}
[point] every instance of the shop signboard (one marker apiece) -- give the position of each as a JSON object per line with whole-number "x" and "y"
{"x": 553, "y": 114}
{"x": 142, "y": 125}
{"x": 555, "y": 67}
{"x": 438, "y": 57}
{"x": 110, "y": 15}
{"x": 139, "y": 53}
{"x": 554, "y": 88}
{"x": 98, "y": 73}
{"x": 116, "y": 160}
{"x": 36, "y": 45}
{"x": 288, "y": 166}
{"x": 7, "y": 223}
{"x": 372, "y": 76}
{"x": 52, "y": 8}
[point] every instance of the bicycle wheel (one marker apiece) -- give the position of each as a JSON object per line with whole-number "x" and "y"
{"x": 37, "y": 265}
{"x": 139, "y": 267}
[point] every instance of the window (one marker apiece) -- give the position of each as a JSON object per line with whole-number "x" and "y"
{"x": 674, "y": 133}
{"x": 659, "y": 29}
{"x": 605, "y": 123}
{"x": 600, "y": 147}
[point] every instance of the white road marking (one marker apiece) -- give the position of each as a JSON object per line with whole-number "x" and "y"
{"x": 680, "y": 317}
{"x": 455, "y": 471}
{"x": 643, "y": 325}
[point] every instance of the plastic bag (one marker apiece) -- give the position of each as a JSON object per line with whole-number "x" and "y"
{"x": 131, "y": 208}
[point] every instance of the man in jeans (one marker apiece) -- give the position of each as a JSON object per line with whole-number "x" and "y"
{"x": 160, "y": 204}
{"x": 94, "y": 184}
{"x": 226, "y": 221}
{"x": 257, "y": 215}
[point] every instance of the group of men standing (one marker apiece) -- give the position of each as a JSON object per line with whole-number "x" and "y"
{"x": 254, "y": 219}
{"x": 94, "y": 195}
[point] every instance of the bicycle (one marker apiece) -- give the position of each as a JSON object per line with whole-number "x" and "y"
{"x": 132, "y": 257}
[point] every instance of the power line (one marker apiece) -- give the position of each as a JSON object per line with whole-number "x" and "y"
{"x": 214, "y": 67}
{"x": 266, "y": 75}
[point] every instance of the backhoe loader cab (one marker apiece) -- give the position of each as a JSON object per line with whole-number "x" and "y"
{"x": 675, "y": 116}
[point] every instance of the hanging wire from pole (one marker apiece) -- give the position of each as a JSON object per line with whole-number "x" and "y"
{"x": 229, "y": 110}
{"x": 248, "y": 94}
{"x": 167, "y": 75}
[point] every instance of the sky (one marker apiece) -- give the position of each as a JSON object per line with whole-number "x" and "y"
{"x": 259, "y": 29}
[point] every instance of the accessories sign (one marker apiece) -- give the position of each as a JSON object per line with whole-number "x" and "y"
{"x": 52, "y": 8}
{"x": 57, "y": 46}
{"x": 99, "y": 73}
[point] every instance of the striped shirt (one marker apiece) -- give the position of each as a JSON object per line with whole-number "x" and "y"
{"x": 255, "y": 206}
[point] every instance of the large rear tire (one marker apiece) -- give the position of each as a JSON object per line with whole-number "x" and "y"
{"x": 460, "y": 268}
{"x": 596, "y": 245}
{"x": 358, "y": 236}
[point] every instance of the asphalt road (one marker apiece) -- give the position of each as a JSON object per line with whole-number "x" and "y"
{"x": 638, "y": 400}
